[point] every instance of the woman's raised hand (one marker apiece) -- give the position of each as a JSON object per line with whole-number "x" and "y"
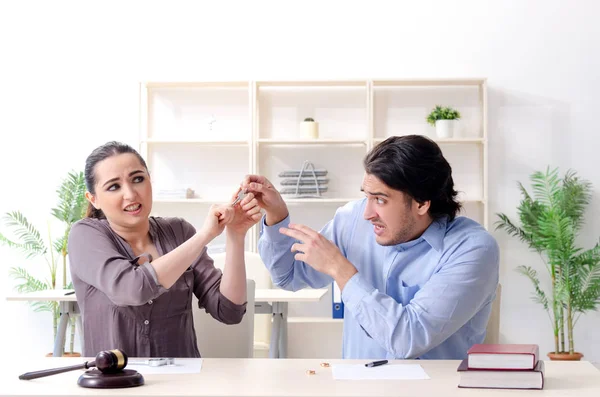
{"x": 219, "y": 216}
{"x": 246, "y": 213}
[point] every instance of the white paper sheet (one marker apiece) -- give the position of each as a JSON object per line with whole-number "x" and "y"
{"x": 182, "y": 366}
{"x": 387, "y": 371}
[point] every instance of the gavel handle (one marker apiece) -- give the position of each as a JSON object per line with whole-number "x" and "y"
{"x": 48, "y": 372}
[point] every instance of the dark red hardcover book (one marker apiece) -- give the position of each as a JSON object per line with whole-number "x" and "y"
{"x": 503, "y": 356}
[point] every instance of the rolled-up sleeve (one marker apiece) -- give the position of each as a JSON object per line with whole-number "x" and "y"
{"x": 207, "y": 283}
{"x": 95, "y": 260}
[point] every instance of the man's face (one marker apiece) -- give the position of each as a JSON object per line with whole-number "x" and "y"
{"x": 396, "y": 217}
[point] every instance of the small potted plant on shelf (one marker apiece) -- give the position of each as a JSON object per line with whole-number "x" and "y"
{"x": 551, "y": 220}
{"x": 443, "y": 118}
{"x": 309, "y": 128}
{"x": 71, "y": 208}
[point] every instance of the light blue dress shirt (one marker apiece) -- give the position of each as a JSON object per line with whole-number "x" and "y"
{"x": 428, "y": 298}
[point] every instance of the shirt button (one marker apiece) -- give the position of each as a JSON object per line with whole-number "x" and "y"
{"x": 150, "y": 302}
{"x": 146, "y": 322}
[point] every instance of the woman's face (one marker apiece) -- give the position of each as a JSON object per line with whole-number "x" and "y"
{"x": 123, "y": 190}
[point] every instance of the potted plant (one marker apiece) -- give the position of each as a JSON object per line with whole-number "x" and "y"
{"x": 443, "y": 118}
{"x": 309, "y": 128}
{"x": 550, "y": 222}
{"x": 71, "y": 208}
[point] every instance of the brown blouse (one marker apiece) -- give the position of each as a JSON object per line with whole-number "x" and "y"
{"x": 123, "y": 306}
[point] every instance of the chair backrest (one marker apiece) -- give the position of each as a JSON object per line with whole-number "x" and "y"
{"x": 255, "y": 270}
{"x": 493, "y": 326}
{"x": 219, "y": 340}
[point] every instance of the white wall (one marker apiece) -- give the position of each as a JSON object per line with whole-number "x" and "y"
{"x": 69, "y": 74}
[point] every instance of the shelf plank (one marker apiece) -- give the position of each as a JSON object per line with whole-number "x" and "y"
{"x": 472, "y": 200}
{"x": 312, "y": 141}
{"x": 195, "y": 142}
{"x": 313, "y": 320}
{"x": 317, "y": 200}
{"x": 309, "y": 200}
{"x": 162, "y": 200}
{"x": 428, "y": 82}
{"x": 207, "y": 84}
{"x": 444, "y": 140}
{"x": 313, "y": 83}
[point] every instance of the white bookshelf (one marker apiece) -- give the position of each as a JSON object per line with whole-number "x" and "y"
{"x": 208, "y": 136}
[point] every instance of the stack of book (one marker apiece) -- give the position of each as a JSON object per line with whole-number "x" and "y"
{"x": 502, "y": 366}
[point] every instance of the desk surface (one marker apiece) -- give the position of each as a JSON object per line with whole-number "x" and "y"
{"x": 287, "y": 377}
{"x": 260, "y": 295}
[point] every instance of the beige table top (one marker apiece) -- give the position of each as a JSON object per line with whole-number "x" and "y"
{"x": 260, "y": 295}
{"x": 287, "y": 377}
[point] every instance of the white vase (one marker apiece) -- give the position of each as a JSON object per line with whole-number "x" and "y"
{"x": 309, "y": 129}
{"x": 444, "y": 128}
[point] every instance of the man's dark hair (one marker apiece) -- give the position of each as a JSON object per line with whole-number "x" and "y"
{"x": 415, "y": 165}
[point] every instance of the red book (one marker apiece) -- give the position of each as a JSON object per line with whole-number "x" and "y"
{"x": 501, "y": 379}
{"x": 503, "y": 356}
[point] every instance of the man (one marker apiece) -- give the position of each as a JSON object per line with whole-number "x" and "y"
{"x": 416, "y": 281}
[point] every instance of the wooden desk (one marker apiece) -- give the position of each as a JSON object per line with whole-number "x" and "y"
{"x": 274, "y": 301}
{"x": 287, "y": 377}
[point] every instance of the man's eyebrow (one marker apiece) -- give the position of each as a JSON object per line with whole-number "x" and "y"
{"x": 117, "y": 178}
{"x": 375, "y": 193}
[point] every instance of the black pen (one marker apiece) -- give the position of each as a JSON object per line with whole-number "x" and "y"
{"x": 376, "y": 363}
{"x": 70, "y": 293}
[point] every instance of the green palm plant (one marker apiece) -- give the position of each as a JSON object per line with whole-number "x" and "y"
{"x": 28, "y": 240}
{"x": 550, "y": 222}
{"x": 31, "y": 244}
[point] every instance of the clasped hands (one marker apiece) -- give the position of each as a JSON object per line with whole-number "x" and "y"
{"x": 237, "y": 215}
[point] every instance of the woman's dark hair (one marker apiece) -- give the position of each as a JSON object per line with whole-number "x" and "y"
{"x": 103, "y": 152}
{"x": 415, "y": 165}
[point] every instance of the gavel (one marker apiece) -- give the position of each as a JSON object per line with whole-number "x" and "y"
{"x": 107, "y": 362}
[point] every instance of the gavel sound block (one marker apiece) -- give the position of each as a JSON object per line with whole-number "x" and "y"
{"x": 108, "y": 374}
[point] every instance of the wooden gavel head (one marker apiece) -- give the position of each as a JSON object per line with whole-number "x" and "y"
{"x": 107, "y": 362}
{"x": 110, "y": 361}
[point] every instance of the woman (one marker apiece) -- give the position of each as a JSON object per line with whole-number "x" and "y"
{"x": 134, "y": 275}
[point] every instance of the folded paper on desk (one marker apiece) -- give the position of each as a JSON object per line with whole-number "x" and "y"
{"x": 181, "y": 366}
{"x": 389, "y": 371}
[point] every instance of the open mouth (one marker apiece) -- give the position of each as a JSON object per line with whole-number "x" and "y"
{"x": 133, "y": 208}
{"x": 378, "y": 229}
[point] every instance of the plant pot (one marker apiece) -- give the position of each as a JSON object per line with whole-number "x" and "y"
{"x": 66, "y": 354}
{"x": 565, "y": 356}
{"x": 444, "y": 128}
{"x": 309, "y": 129}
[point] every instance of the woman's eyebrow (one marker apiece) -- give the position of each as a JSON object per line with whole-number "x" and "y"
{"x": 117, "y": 178}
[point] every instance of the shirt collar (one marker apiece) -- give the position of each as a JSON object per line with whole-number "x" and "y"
{"x": 433, "y": 235}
